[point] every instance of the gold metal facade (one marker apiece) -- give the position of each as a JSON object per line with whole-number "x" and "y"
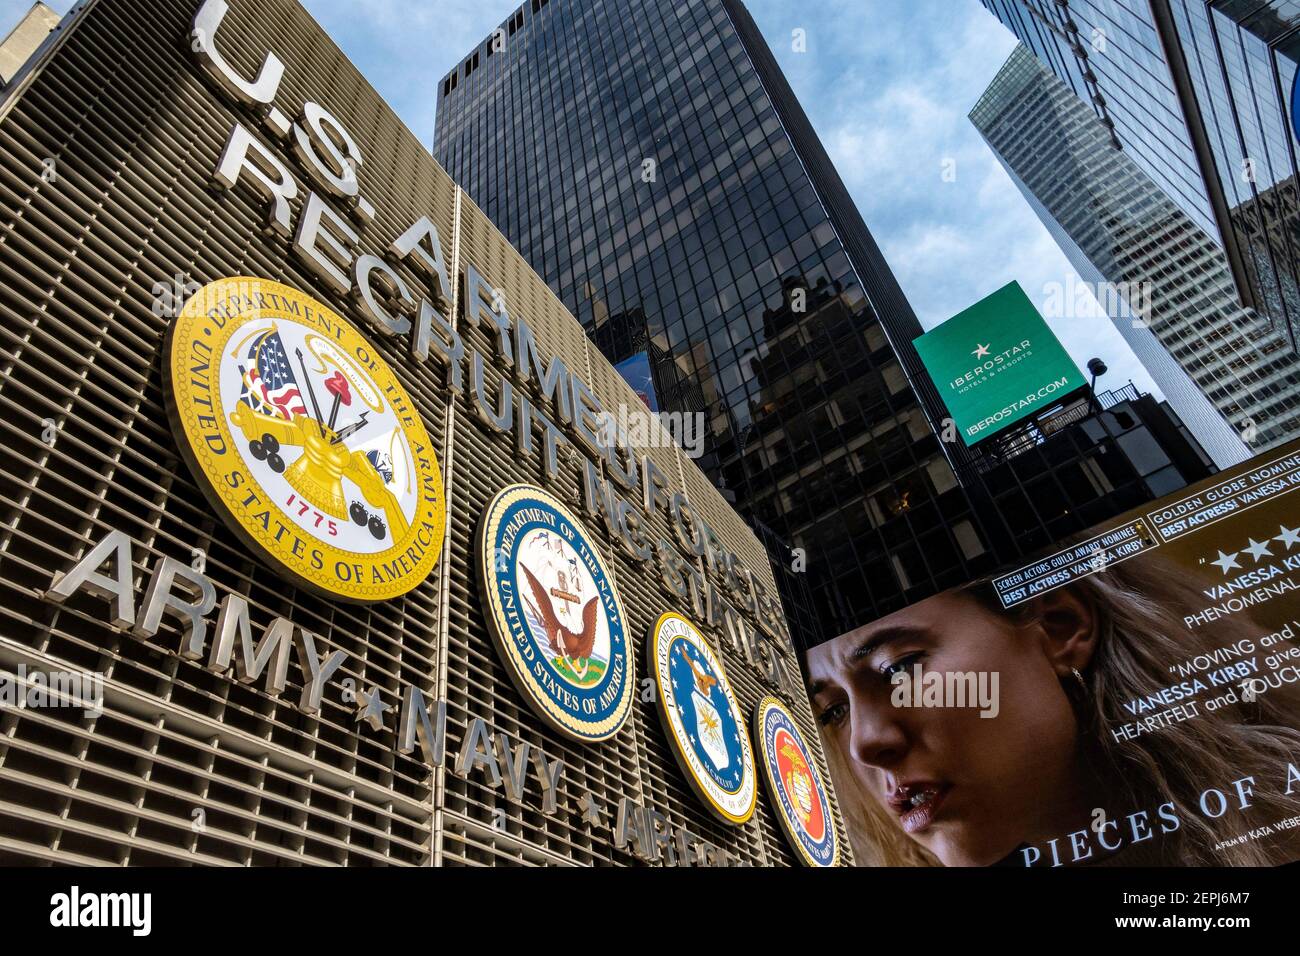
{"x": 185, "y": 766}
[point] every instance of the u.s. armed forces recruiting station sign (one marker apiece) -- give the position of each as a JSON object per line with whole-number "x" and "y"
{"x": 305, "y": 439}
{"x": 997, "y": 363}
{"x": 308, "y": 446}
{"x": 555, "y": 614}
{"x": 703, "y": 720}
{"x": 795, "y": 784}
{"x": 620, "y": 487}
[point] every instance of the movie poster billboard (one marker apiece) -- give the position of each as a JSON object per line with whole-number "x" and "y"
{"x": 1131, "y": 698}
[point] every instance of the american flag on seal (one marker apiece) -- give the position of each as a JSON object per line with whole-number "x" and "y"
{"x": 382, "y": 464}
{"x": 269, "y": 385}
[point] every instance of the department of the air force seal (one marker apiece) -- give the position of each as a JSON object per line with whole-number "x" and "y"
{"x": 554, "y": 614}
{"x": 702, "y": 718}
{"x": 304, "y": 438}
{"x": 794, "y": 784}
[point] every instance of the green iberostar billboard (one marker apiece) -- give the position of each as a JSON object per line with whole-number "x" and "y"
{"x": 997, "y": 363}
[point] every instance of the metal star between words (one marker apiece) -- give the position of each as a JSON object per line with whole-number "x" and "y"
{"x": 593, "y": 811}
{"x": 371, "y": 708}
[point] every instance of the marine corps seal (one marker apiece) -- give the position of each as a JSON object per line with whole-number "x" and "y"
{"x": 304, "y": 439}
{"x": 795, "y": 785}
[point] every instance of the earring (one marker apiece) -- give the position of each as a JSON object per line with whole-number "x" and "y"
{"x": 1083, "y": 684}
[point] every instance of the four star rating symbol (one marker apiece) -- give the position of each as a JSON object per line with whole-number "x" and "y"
{"x": 1227, "y": 561}
{"x": 1257, "y": 549}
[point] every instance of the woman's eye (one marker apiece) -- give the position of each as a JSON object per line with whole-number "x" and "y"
{"x": 901, "y": 664}
{"x": 832, "y": 715}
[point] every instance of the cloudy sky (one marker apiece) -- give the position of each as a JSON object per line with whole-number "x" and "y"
{"x": 887, "y": 90}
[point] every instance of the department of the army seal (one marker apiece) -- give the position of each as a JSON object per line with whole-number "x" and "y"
{"x": 305, "y": 440}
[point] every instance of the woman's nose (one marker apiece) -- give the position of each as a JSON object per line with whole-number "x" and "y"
{"x": 878, "y": 738}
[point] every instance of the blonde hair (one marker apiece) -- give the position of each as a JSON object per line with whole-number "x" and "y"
{"x": 1140, "y": 634}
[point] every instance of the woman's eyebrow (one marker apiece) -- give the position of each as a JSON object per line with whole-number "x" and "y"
{"x": 869, "y": 646}
{"x": 881, "y": 638}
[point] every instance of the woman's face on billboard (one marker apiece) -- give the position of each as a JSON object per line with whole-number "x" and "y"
{"x": 968, "y": 788}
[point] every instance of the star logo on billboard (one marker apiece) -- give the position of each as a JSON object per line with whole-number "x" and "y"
{"x": 981, "y": 350}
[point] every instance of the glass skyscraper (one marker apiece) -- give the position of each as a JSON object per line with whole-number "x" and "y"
{"x": 651, "y": 162}
{"x": 1199, "y": 94}
{"x": 1243, "y": 57}
{"x": 1223, "y": 368}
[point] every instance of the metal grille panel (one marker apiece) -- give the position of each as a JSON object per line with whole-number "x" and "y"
{"x": 185, "y": 766}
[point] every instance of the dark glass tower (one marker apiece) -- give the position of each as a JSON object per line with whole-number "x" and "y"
{"x": 651, "y": 162}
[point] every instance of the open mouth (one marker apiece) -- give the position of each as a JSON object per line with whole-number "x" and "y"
{"x": 917, "y": 804}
